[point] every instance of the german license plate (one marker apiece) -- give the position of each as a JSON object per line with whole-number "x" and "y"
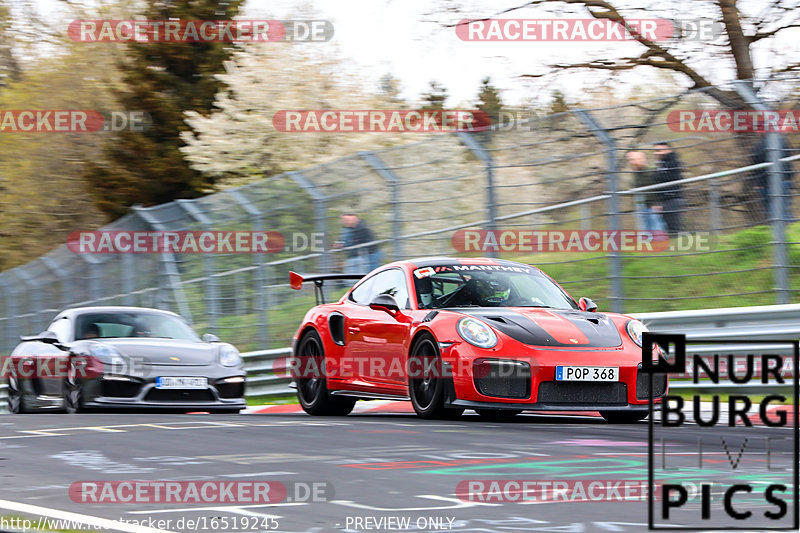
{"x": 181, "y": 383}
{"x": 587, "y": 373}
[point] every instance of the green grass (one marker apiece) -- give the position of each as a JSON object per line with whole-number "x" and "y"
{"x": 737, "y": 272}
{"x": 272, "y": 400}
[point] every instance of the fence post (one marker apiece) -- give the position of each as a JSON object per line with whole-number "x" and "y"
{"x": 320, "y": 215}
{"x": 10, "y": 312}
{"x": 209, "y": 267}
{"x": 383, "y": 171}
{"x": 169, "y": 272}
{"x": 259, "y": 298}
{"x": 95, "y": 275}
{"x": 713, "y": 205}
{"x": 34, "y": 297}
{"x": 128, "y": 273}
{"x": 614, "y": 257}
{"x": 60, "y": 273}
{"x": 776, "y": 194}
{"x": 481, "y": 153}
{"x": 585, "y": 211}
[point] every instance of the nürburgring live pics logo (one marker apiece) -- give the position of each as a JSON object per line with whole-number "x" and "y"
{"x": 746, "y": 471}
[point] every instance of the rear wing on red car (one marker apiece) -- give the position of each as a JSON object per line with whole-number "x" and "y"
{"x": 296, "y": 282}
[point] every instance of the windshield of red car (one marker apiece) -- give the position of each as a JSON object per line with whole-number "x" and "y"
{"x": 487, "y": 286}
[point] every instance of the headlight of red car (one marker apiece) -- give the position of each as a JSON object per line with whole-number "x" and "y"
{"x": 476, "y": 332}
{"x": 635, "y": 330}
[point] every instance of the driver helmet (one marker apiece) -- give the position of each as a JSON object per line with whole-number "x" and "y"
{"x": 425, "y": 292}
{"x": 497, "y": 291}
{"x": 91, "y": 331}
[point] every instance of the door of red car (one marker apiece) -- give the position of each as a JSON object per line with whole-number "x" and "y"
{"x": 376, "y": 341}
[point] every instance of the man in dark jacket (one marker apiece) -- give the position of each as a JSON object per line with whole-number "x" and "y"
{"x": 669, "y": 168}
{"x": 760, "y": 181}
{"x": 356, "y": 231}
{"x": 648, "y": 214}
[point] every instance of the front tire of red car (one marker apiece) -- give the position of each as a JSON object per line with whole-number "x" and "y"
{"x": 312, "y": 388}
{"x": 427, "y": 384}
{"x": 623, "y": 417}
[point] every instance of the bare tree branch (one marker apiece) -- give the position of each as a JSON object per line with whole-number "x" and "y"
{"x": 766, "y": 34}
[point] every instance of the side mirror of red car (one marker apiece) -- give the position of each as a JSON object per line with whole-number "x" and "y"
{"x": 385, "y": 302}
{"x": 586, "y": 304}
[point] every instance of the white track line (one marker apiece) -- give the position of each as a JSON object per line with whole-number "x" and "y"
{"x": 91, "y": 521}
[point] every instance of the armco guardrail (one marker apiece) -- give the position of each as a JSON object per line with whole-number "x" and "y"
{"x": 261, "y": 367}
{"x": 766, "y": 323}
{"x": 266, "y": 368}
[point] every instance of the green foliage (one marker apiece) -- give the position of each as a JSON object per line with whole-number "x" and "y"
{"x": 559, "y": 103}
{"x": 489, "y": 100}
{"x": 435, "y": 97}
{"x": 164, "y": 79}
{"x": 42, "y": 195}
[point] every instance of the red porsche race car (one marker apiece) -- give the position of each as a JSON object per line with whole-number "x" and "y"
{"x": 450, "y": 334}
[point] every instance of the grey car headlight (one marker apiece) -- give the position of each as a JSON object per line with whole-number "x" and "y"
{"x": 229, "y": 356}
{"x": 107, "y": 354}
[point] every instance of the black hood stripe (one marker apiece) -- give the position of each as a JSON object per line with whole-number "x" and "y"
{"x": 598, "y": 328}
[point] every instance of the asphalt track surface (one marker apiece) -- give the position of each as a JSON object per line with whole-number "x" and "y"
{"x": 382, "y": 464}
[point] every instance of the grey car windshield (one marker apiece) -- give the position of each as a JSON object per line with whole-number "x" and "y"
{"x": 115, "y": 325}
{"x": 487, "y": 286}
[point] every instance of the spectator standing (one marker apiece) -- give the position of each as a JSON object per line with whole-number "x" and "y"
{"x": 669, "y": 168}
{"x": 648, "y": 219}
{"x": 355, "y": 232}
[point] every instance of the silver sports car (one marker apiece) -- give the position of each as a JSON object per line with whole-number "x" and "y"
{"x": 123, "y": 358}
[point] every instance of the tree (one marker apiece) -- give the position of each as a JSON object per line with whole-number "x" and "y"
{"x": 165, "y": 79}
{"x": 435, "y": 97}
{"x": 238, "y": 141}
{"x": 489, "y": 100}
{"x": 390, "y": 89}
{"x": 9, "y": 66}
{"x": 42, "y": 194}
{"x": 559, "y": 103}
{"x": 696, "y": 62}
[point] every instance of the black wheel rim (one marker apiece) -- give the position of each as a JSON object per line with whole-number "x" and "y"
{"x": 424, "y": 387}
{"x": 14, "y": 399}
{"x": 310, "y": 363}
{"x": 72, "y": 391}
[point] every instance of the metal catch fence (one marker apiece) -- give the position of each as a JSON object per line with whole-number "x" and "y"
{"x": 568, "y": 171}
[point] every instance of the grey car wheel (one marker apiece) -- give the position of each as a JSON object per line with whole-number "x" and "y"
{"x": 73, "y": 391}
{"x": 15, "y": 397}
